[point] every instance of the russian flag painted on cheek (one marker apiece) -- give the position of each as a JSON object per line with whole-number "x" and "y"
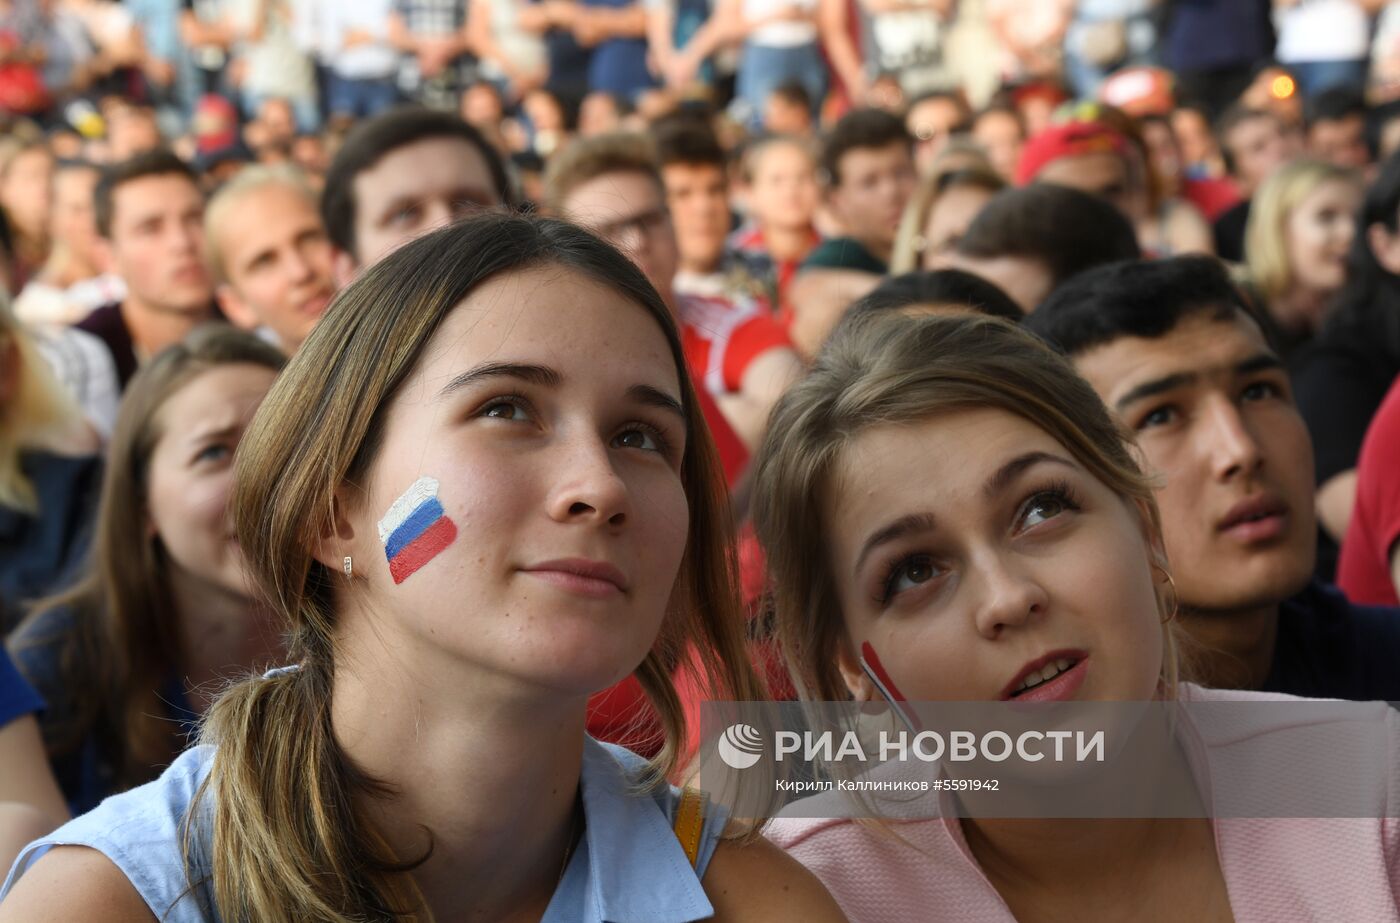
{"x": 415, "y": 529}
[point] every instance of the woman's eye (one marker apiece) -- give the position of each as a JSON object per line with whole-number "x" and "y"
{"x": 503, "y": 410}
{"x": 215, "y": 452}
{"x": 909, "y": 573}
{"x": 1045, "y": 506}
{"x": 638, "y": 439}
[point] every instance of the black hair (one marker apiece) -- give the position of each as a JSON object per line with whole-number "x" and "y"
{"x": 938, "y": 287}
{"x": 370, "y": 141}
{"x": 684, "y": 139}
{"x": 1067, "y": 230}
{"x": 1334, "y": 104}
{"x": 863, "y": 128}
{"x": 1233, "y": 117}
{"x": 1144, "y": 299}
{"x": 794, "y": 94}
{"x": 159, "y": 162}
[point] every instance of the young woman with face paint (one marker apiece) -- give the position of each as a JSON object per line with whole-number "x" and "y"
{"x": 949, "y": 513}
{"x": 480, "y": 493}
{"x": 161, "y": 613}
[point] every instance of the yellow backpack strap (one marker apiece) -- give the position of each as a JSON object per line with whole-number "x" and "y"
{"x": 690, "y": 821}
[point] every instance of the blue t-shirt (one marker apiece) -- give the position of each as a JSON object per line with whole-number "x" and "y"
{"x": 619, "y": 65}
{"x": 17, "y": 698}
{"x": 628, "y": 865}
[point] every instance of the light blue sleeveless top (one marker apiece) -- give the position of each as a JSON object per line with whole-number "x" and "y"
{"x": 628, "y": 866}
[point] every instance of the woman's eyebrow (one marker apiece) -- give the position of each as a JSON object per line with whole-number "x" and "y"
{"x": 655, "y": 397}
{"x": 1013, "y": 469}
{"x": 534, "y": 374}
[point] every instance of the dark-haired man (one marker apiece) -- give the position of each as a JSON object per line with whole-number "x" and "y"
{"x": 694, "y": 173}
{"x": 868, "y": 166}
{"x": 402, "y": 174}
{"x": 1335, "y": 122}
{"x": 1180, "y": 361}
{"x": 1031, "y": 239}
{"x": 149, "y": 213}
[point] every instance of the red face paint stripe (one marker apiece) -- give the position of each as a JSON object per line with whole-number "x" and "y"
{"x": 422, "y": 549}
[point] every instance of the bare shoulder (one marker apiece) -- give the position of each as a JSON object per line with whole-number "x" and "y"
{"x": 759, "y": 882}
{"x": 74, "y": 883}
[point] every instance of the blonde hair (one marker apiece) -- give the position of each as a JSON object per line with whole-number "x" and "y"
{"x": 889, "y": 369}
{"x": 948, "y": 173}
{"x": 290, "y": 839}
{"x": 1266, "y": 234}
{"x": 38, "y": 406}
{"x": 247, "y": 182}
{"x": 589, "y": 158}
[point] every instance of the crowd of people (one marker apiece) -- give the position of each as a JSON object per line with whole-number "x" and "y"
{"x": 412, "y": 411}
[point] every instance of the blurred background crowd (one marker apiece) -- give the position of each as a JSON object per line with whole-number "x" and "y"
{"x": 165, "y": 164}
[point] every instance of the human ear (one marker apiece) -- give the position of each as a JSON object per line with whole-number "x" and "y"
{"x": 338, "y": 538}
{"x": 1385, "y": 247}
{"x": 239, "y": 313}
{"x": 343, "y": 268}
{"x": 857, "y": 682}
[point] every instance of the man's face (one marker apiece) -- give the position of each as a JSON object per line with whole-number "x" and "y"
{"x": 698, "y": 197}
{"x": 1105, "y": 175}
{"x": 278, "y": 262}
{"x": 130, "y": 131}
{"x": 628, "y": 211}
{"x": 875, "y": 184}
{"x": 1214, "y": 417}
{"x": 415, "y": 189}
{"x": 1340, "y": 142}
{"x": 278, "y": 120}
{"x": 1258, "y": 147}
{"x": 157, "y": 243}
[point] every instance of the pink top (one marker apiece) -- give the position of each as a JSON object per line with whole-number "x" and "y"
{"x": 1275, "y": 869}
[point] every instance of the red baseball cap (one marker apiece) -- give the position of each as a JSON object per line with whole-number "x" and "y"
{"x": 1071, "y": 139}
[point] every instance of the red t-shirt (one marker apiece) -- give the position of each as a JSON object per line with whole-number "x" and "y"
{"x": 722, "y": 338}
{"x": 1213, "y": 197}
{"x": 1363, "y": 571}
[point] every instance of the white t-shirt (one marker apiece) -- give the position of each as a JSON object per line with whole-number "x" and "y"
{"x": 781, "y": 34}
{"x": 1322, "y": 30}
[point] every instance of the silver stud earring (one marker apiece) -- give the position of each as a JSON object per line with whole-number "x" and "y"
{"x": 349, "y": 568}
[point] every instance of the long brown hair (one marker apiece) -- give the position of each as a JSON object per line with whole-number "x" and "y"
{"x": 892, "y": 369}
{"x": 289, "y": 842}
{"x": 126, "y": 630}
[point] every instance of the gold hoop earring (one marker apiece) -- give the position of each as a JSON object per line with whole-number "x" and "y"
{"x": 1173, "y": 608}
{"x": 348, "y": 566}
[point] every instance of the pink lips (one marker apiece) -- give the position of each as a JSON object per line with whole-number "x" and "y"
{"x": 1256, "y": 519}
{"x": 596, "y": 579}
{"x": 1052, "y": 690}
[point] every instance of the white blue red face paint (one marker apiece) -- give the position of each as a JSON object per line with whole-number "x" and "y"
{"x": 415, "y": 529}
{"x": 875, "y": 670}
